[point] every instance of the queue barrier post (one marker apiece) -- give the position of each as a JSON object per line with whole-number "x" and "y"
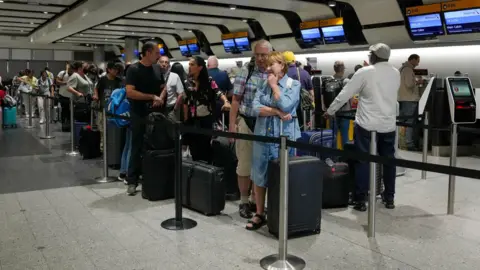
{"x": 46, "y": 108}
{"x": 451, "y": 178}
{"x": 30, "y": 113}
{"x": 105, "y": 178}
{"x": 73, "y": 152}
{"x": 372, "y": 193}
{"x": 178, "y": 223}
{"x": 425, "y": 144}
{"x": 283, "y": 260}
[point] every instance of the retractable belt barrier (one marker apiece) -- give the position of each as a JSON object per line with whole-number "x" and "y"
{"x": 283, "y": 260}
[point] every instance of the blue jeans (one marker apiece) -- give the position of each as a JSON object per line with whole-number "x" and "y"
{"x": 344, "y": 125}
{"x": 408, "y": 108}
{"x": 385, "y": 148}
{"x": 126, "y": 152}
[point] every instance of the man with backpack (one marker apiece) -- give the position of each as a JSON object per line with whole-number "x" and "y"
{"x": 102, "y": 91}
{"x": 242, "y": 119}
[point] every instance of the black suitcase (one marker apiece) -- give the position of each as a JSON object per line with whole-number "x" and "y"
{"x": 116, "y": 137}
{"x": 304, "y": 195}
{"x": 89, "y": 143}
{"x": 161, "y": 135}
{"x": 224, "y": 156}
{"x": 158, "y": 175}
{"x": 203, "y": 188}
{"x": 337, "y": 182}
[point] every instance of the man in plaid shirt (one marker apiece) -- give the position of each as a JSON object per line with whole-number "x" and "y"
{"x": 242, "y": 119}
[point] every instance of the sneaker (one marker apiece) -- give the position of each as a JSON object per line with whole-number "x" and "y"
{"x": 244, "y": 210}
{"x": 389, "y": 204}
{"x": 360, "y": 206}
{"x": 132, "y": 190}
{"x": 122, "y": 177}
{"x": 42, "y": 121}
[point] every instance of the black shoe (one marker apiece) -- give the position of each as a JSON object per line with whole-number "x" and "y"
{"x": 244, "y": 210}
{"x": 389, "y": 204}
{"x": 131, "y": 190}
{"x": 252, "y": 206}
{"x": 360, "y": 206}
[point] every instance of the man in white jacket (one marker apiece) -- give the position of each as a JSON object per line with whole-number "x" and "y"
{"x": 377, "y": 86}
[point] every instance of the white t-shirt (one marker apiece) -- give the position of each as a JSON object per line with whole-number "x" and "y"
{"x": 377, "y": 88}
{"x": 63, "y": 90}
{"x": 174, "y": 88}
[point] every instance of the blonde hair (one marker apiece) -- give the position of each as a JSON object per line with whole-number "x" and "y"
{"x": 277, "y": 57}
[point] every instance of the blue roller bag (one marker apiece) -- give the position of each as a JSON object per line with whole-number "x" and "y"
{"x": 323, "y": 137}
{"x": 9, "y": 117}
{"x": 78, "y": 128}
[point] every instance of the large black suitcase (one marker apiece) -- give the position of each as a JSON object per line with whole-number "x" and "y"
{"x": 116, "y": 137}
{"x": 304, "y": 195}
{"x": 224, "y": 156}
{"x": 203, "y": 188}
{"x": 158, "y": 174}
{"x": 337, "y": 181}
{"x": 161, "y": 135}
{"x": 89, "y": 143}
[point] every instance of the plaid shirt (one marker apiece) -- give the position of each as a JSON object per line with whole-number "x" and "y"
{"x": 247, "y": 91}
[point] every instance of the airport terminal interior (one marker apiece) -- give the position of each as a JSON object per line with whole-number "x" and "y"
{"x": 55, "y": 214}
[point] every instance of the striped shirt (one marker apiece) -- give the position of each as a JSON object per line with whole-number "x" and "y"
{"x": 247, "y": 90}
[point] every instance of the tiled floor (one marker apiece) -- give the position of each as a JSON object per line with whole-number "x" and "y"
{"x": 54, "y": 216}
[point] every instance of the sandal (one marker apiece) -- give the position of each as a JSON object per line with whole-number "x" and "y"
{"x": 254, "y": 225}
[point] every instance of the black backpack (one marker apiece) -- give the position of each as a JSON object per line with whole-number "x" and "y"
{"x": 331, "y": 88}
{"x": 161, "y": 135}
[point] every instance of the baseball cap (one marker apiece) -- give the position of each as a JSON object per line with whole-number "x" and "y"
{"x": 289, "y": 56}
{"x": 381, "y": 50}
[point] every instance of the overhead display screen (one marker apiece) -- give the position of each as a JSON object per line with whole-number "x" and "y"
{"x": 334, "y": 34}
{"x": 243, "y": 44}
{"x": 194, "y": 49}
{"x": 426, "y": 25}
{"x": 229, "y": 45}
{"x": 184, "y": 50}
{"x": 312, "y": 36}
{"x": 463, "y": 21}
{"x": 461, "y": 87}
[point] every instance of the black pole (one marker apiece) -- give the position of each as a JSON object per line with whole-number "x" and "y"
{"x": 178, "y": 222}
{"x": 178, "y": 174}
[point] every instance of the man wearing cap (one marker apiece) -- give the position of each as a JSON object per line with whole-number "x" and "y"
{"x": 301, "y": 75}
{"x": 377, "y": 86}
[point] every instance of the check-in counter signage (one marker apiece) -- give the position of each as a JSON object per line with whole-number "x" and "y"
{"x": 319, "y": 32}
{"x": 454, "y": 17}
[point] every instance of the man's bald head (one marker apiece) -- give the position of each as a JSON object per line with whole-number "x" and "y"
{"x": 212, "y": 62}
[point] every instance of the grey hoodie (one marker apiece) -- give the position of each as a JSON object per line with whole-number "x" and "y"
{"x": 408, "y": 86}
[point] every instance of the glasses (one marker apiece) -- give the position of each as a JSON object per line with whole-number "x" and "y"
{"x": 261, "y": 55}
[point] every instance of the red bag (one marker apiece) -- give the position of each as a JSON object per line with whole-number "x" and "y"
{"x": 2, "y": 94}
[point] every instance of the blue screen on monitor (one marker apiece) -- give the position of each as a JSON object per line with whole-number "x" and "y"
{"x": 162, "y": 51}
{"x": 194, "y": 49}
{"x": 334, "y": 34}
{"x": 312, "y": 36}
{"x": 426, "y": 25}
{"x": 243, "y": 44}
{"x": 228, "y": 45}
{"x": 184, "y": 50}
{"x": 463, "y": 21}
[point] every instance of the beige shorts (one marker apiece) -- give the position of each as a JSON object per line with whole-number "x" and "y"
{"x": 243, "y": 149}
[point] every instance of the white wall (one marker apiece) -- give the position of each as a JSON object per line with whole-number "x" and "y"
{"x": 443, "y": 61}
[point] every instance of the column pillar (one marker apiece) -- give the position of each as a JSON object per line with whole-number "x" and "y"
{"x": 99, "y": 56}
{"x": 131, "y": 50}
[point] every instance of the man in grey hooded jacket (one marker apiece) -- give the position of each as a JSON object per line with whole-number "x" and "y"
{"x": 408, "y": 97}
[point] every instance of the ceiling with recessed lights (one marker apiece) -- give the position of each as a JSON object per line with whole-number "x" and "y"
{"x": 110, "y": 22}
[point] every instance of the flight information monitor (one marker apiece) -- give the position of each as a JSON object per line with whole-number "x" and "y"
{"x": 426, "y": 25}
{"x": 184, "y": 50}
{"x": 229, "y": 45}
{"x": 312, "y": 36}
{"x": 162, "y": 51}
{"x": 462, "y": 21}
{"x": 194, "y": 49}
{"x": 243, "y": 44}
{"x": 334, "y": 34}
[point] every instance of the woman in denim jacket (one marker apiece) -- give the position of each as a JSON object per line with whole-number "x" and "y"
{"x": 275, "y": 101}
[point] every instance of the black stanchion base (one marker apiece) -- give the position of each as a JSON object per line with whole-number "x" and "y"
{"x": 179, "y": 225}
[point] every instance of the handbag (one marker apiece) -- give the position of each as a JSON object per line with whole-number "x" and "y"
{"x": 306, "y": 101}
{"x": 24, "y": 88}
